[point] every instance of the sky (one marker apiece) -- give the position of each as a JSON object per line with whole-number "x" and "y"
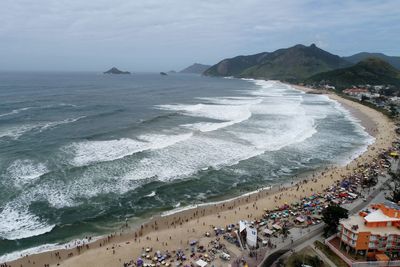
{"x": 163, "y": 35}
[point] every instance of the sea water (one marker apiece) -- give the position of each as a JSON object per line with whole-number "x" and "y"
{"x": 80, "y": 152}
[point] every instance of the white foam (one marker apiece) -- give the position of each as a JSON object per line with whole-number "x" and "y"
{"x": 228, "y": 110}
{"x": 18, "y": 222}
{"x": 194, "y": 206}
{"x": 152, "y": 194}
{"x": 270, "y": 119}
{"x": 109, "y": 150}
{"x": 252, "y": 138}
{"x": 216, "y": 112}
{"x": 188, "y": 157}
{"x": 358, "y": 127}
{"x": 25, "y": 171}
{"x": 15, "y": 131}
{"x": 22, "y": 253}
{"x": 232, "y": 100}
{"x": 56, "y": 123}
{"x": 209, "y": 126}
{"x": 45, "y": 248}
{"x": 15, "y": 111}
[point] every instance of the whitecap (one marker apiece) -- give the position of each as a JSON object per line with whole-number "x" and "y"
{"x": 152, "y": 194}
{"x": 53, "y": 124}
{"x": 18, "y": 223}
{"x": 16, "y": 131}
{"x": 25, "y": 171}
{"x": 15, "y": 111}
{"x": 108, "y": 150}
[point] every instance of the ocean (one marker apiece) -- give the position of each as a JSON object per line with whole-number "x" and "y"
{"x": 80, "y": 152}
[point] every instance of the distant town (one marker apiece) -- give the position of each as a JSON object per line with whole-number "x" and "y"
{"x": 383, "y": 97}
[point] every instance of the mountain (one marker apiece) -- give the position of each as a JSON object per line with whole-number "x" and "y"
{"x": 288, "y": 64}
{"x": 373, "y": 71}
{"x": 394, "y": 61}
{"x": 234, "y": 66}
{"x": 114, "y": 70}
{"x": 195, "y": 68}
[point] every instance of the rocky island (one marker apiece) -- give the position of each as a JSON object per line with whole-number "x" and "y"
{"x": 114, "y": 70}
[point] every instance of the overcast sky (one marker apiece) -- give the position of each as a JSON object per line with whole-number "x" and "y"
{"x": 151, "y": 35}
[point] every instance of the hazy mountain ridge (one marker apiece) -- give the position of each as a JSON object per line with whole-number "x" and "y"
{"x": 195, "y": 68}
{"x": 393, "y": 60}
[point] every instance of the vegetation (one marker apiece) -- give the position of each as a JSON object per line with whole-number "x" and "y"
{"x": 289, "y": 64}
{"x": 368, "y": 104}
{"x": 331, "y": 216}
{"x": 395, "y": 195}
{"x": 285, "y": 231}
{"x": 234, "y": 66}
{"x": 298, "y": 259}
{"x": 373, "y": 71}
{"x": 330, "y": 255}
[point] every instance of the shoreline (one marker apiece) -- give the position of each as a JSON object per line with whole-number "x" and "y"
{"x": 195, "y": 221}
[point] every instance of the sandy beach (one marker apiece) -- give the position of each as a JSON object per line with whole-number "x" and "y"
{"x": 174, "y": 231}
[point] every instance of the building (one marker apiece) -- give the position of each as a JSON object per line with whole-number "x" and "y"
{"x": 248, "y": 233}
{"x": 357, "y": 92}
{"x": 374, "y": 233}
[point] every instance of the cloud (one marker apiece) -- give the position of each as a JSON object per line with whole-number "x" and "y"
{"x": 153, "y": 35}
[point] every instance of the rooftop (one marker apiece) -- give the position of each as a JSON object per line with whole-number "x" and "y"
{"x": 359, "y": 221}
{"x": 379, "y": 216}
{"x": 391, "y": 205}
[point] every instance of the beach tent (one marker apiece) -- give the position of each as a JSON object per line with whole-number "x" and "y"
{"x": 201, "y": 263}
{"x": 268, "y": 232}
{"x": 382, "y": 257}
{"x": 277, "y": 227}
{"x": 300, "y": 219}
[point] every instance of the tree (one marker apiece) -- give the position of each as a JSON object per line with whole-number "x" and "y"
{"x": 300, "y": 260}
{"x": 285, "y": 231}
{"x": 393, "y": 110}
{"x": 395, "y": 194}
{"x": 364, "y": 98}
{"x": 331, "y": 216}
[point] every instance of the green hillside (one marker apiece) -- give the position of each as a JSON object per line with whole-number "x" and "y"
{"x": 234, "y": 66}
{"x": 289, "y": 64}
{"x": 373, "y": 71}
